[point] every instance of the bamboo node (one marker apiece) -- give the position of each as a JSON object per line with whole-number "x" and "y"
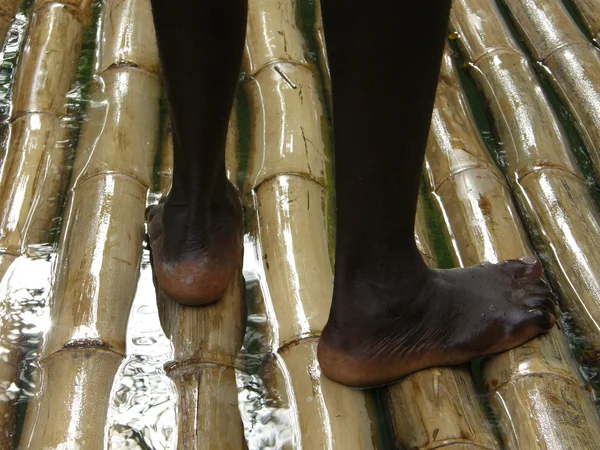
{"x": 87, "y": 343}
{"x": 127, "y": 64}
{"x": 566, "y": 45}
{"x": 192, "y": 364}
{"x": 299, "y": 339}
{"x": 520, "y": 377}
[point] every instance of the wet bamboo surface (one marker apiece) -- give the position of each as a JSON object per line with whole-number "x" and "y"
{"x": 550, "y": 188}
{"x": 288, "y": 184}
{"x": 589, "y": 10}
{"x": 570, "y": 61}
{"x": 31, "y": 172}
{"x": 206, "y": 341}
{"x": 535, "y": 390}
{"x": 100, "y": 245}
{"x": 8, "y": 9}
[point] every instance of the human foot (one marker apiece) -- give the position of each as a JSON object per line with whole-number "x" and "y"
{"x": 446, "y": 317}
{"x": 195, "y": 253}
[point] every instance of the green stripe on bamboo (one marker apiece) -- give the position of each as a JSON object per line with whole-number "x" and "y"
{"x": 589, "y": 11}
{"x": 550, "y": 188}
{"x": 422, "y": 235}
{"x": 99, "y": 252}
{"x": 319, "y": 33}
{"x": 571, "y": 63}
{"x": 482, "y": 223}
{"x": 288, "y": 181}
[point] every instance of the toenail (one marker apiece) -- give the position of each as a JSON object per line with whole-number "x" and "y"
{"x": 530, "y": 259}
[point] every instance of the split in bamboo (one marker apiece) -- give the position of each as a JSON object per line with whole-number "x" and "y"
{"x": 482, "y": 224}
{"x": 100, "y": 244}
{"x": 570, "y": 61}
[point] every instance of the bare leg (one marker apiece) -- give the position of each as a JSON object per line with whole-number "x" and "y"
{"x": 195, "y": 234}
{"x": 391, "y": 315}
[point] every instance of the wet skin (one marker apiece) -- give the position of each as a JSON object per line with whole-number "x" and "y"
{"x": 390, "y": 314}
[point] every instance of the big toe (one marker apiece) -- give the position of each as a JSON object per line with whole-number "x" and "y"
{"x": 528, "y": 267}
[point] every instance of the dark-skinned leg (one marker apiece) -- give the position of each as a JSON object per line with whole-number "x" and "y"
{"x": 195, "y": 235}
{"x": 391, "y": 315}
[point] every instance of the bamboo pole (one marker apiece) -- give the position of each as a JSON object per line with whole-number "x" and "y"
{"x": 99, "y": 249}
{"x": 289, "y": 185}
{"x": 544, "y": 176}
{"x": 8, "y": 9}
{"x": 36, "y": 147}
{"x": 571, "y": 63}
{"x": 482, "y": 223}
{"x": 206, "y": 341}
{"x": 589, "y": 11}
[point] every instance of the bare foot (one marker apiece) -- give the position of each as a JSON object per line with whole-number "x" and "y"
{"x": 195, "y": 253}
{"x": 446, "y": 317}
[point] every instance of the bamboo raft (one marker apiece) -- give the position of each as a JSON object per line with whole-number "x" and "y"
{"x": 536, "y": 392}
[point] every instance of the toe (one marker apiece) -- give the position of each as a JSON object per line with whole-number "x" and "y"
{"x": 525, "y": 325}
{"x": 539, "y": 320}
{"x": 541, "y": 303}
{"x": 533, "y": 286}
{"x": 529, "y": 267}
